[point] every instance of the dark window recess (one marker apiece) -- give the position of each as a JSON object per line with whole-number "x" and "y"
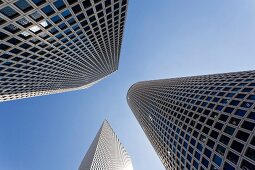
{"x": 223, "y": 117}
{"x": 76, "y": 9}
{"x": 232, "y": 157}
{"x": 11, "y": 28}
{"x": 218, "y": 125}
{"x": 247, "y": 165}
{"x": 248, "y": 125}
{"x": 227, "y": 166}
{"x": 205, "y": 162}
{"x": 240, "y": 96}
{"x": 250, "y": 153}
{"x": 251, "y": 97}
{"x": 86, "y": 3}
{"x": 4, "y": 47}
{"x": 242, "y": 135}
{"x": 214, "y": 134}
{"x": 38, "y": 2}
{"x": 3, "y": 35}
{"x": 252, "y": 115}
{"x": 210, "y": 143}
{"x": 229, "y": 110}
{"x": 224, "y": 139}
{"x": 234, "y": 121}
{"x": 71, "y": 1}
{"x": 237, "y": 146}
{"x": 240, "y": 112}
{"x": 14, "y": 41}
{"x": 234, "y": 102}
{"x": 220, "y": 149}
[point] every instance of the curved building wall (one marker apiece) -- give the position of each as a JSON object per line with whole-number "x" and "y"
{"x": 200, "y": 122}
{"x": 53, "y": 46}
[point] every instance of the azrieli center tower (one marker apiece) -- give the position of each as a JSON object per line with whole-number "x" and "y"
{"x": 106, "y": 152}
{"x": 53, "y": 46}
{"x": 200, "y": 122}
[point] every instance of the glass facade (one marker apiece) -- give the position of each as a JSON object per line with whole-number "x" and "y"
{"x": 52, "y": 46}
{"x": 200, "y": 122}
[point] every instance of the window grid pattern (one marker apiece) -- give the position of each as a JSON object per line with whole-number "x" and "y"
{"x": 106, "y": 152}
{"x": 200, "y": 122}
{"x": 54, "y": 46}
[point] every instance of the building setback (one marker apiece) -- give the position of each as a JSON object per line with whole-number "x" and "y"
{"x": 200, "y": 122}
{"x": 53, "y": 46}
{"x": 106, "y": 152}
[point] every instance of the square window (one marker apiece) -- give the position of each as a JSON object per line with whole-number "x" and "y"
{"x": 246, "y": 104}
{"x": 76, "y": 9}
{"x": 45, "y": 24}
{"x": 24, "y": 22}
{"x": 242, "y": 135}
{"x": 210, "y": 143}
{"x": 3, "y": 35}
{"x": 9, "y": 12}
{"x": 218, "y": 125}
{"x": 48, "y": 10}
{"x": 251, "y": 115}
{"x": 38, "y": 2}
{"x": 220, "y": 149}
{"x": 11, "y": 28}
{"x": 66, "y": 13}
{"x": 3, "y": 47}
{"x": 234, "y": 121}
{"x": 250, "y": 153}
{"x": 217, "y": 160}
{"x": 23, "y": 5}
{"x": 59, "y": 4}
{"x": 224, "y": 139}
{"x": 247, "y": 165}
{"x": 205, "y": 162}
{"x": 248, "y": 125}
{"x": 35, "y": 28}
{"x": 56, "y": 19}
{"x": 237, "y": 146}
{"x": 240, "y": 112}
{"x": 14, "y": 41}
{"x": 227, "y": 166}
{"x": 36, "y": 16}
{"x": 251, "y": 97}
{"x": 86, "y": 3}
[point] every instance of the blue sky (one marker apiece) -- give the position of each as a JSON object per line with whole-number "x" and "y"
{"x": 162, "y": 39}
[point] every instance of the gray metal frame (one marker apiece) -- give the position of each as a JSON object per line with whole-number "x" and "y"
{"x": 80, "y": 49}
{"x": 201, "y": 122}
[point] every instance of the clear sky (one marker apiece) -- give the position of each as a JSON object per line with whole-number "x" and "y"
{"x": 162, "y": 39}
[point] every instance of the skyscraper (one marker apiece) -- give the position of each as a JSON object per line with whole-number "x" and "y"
{"x": 200, "y": 122}
{"x": 52, "y": 46}
{"x": 106, "y": 152}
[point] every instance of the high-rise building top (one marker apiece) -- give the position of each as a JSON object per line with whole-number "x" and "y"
{"x": 106, "y": 152}
{"x": 201, "y": 122}
{"x": 52, "y": 46}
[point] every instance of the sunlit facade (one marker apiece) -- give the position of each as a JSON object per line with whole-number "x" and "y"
{"x": 201, "y": 122}
{"x": 106, "y": 152}
{"x": 53, "y": 46}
